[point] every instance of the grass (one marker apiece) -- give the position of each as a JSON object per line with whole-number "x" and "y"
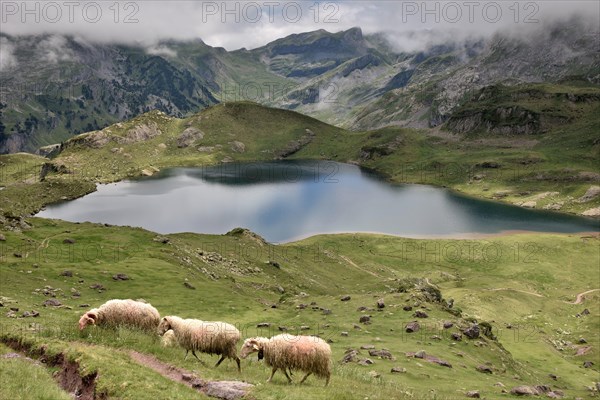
{"x": 320, "y": 269}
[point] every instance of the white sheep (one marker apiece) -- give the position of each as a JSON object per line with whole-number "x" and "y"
{"x": 168, "y": 339}
{"x": 309, "y": 354}
{"x": 208, "y": 337}
{"x": 115, "y": 313}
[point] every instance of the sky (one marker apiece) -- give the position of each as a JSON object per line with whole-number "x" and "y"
{"x": 250, "y": 24}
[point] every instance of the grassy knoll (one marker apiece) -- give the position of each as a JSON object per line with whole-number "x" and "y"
{"x": 521, "y": 284}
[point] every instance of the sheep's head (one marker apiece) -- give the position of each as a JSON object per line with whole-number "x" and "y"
{"x": 168, "y": 338}
{"x": 89, "y": 317}
{"x": 250, "y": 346}
{"x": 165, "y": 325}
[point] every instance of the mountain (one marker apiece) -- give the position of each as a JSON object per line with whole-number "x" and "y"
{"x": 56, "y": 86}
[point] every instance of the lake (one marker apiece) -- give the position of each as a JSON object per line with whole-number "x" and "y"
{"x": 288, "y": 200}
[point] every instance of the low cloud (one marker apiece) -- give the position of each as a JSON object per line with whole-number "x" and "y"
{"x": 161, "y": 50}
{"x": 8, "y": 59}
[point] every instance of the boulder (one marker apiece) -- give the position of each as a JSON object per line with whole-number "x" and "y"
{"x": 448, "y": 325}
{"x": 474, "y": 394}
{"x": 398, "y": 370}
{"x": 484, "y": 369}
{"x": 380, "y": 303}
{"x": 365, "y": 319}
{"x": 345, "y": 298}
{"x": 472, "y": 332}
{"x": 52, "y": 303}
{"x": 383, "y": 354}
{"x": 412, "y": 327}
{"x": 420, "y": 314}
{"x": 524, "y": 391}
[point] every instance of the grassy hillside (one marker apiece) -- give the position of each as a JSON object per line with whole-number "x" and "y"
{"x": 521, "y": 285}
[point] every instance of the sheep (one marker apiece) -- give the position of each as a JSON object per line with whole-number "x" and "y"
{"x": 130, "y": 313}
{"x": 205, "y": 336}
{"x": 309, "y": 354}
{"x": 168, "y": 339}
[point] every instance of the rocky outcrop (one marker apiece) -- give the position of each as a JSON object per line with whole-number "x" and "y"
{"x": 189, "y": 136}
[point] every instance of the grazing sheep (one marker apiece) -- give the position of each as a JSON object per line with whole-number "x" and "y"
{"x": 130, "y": 313}
{"x": 309, "y": 354}
{"x": 207, "y": 337}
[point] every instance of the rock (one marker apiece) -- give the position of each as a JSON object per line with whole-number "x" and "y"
{"x": 436, "y": 337}
{"x": 412, "y": 327}
{"x": 457, "y": 337}
{"x": 187, "y": 377}
{"x": 344, "y": 333}
{"x": 2, "y": 238}
{"x": 283, "y": 328}
{"x": 357, "y": 327}
{"x": 590, "y": 194}
{"x": 380, "y": 303}
{"x": 365, "y": 319}
{"x": 304, "y": 327}
{"x": 11, "y": 314}
{"x": 280, "y": 289}
{"x": 274, "y": 264}
{"x": 472, "y": 332}
{"x": 555, "y": 394}
{"x": 120, "y": 277}
{"x": 228, "y": 390}
{"x": 488, "y": 164}
{"x": 420, "y": 354}
{"x": 407, "y": 308}
{"x": 420, "y": 314}
{"x": 448, "y": 325}
{"x": 554, "y": 206}
{"x": 592, "y": 212}
{"x": 363, "y": 308}
{"x": 52, "y": 303}
{"x": 161, "y": 239}
{"x": 84, "y": 305}
{"x": 69, "y": 241}
{"x": 398, "y": 370}
{"x": 189, "y": 285}
{"x": 582, "y": 341}
{"x": 349, "y": 356}
{"x": 374, "y": 374}
{"x": 528, "y": 204}
{"x": 583, "y": 350}
{"x": 588, "y": 364}
{"x": 585, "y": 312}
{"x": 367, "y": 347}
{"x": 553, "y": 377}
{"x": 366, "y": 361}
{"x": 345, "y": 298}
{"x": 67, "y": 273}
{"x": 238, "y": 147}
{"x": 98, "y": 287}
{"x": 524, "y": 391}
{"x": 474, "y": 394}
{"x": 188, "y": 137}
{"x": 326, "y": 311}
{"x": 383, "y": 354}
{"x": 31, "y": 313}
{"x": 263, "y": 325}
{"x": 301, "y": 306}
{"x": 15, "y": 309}
{"x": 484, "y": 369}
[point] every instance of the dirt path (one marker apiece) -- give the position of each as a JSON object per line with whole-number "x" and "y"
{"x": 349, "y": 261}
{"x": 581, "y": 296}
{"x": 516, "y": 290}
{"x": 229, "y": 390}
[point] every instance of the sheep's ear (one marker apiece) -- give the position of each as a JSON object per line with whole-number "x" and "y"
{"x": 255, "y": 347}
{"x": 92, "y": 316}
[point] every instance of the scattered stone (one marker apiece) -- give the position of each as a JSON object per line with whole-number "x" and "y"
{"x": 263, "y": 325}
{"x": 592, "y": 212}
{"x": 345, "y": 298}
{"x": 367, "y": 347}
{"x": 582, "y": 341}
{"x": 420, "y": 314}
{"x": 472, "y": 332}
{"x": 486, "y": 369}
{"x": 412, "y": 327}
{"x": 67, "y": 273}
{"x": 52, "y": 303}
{"x": 31, "y": 313}
{"x": 349, "y": 356}
{"x": 363, "y": 308}
{"x": 436, "y": 337}
{"x": 583, "y": 350}
{"x": 238, "y": 147}
{"x": 474, "y": 394}
{"x": 524, "y": 391}
{"x": 365, "y": 319}
{"x": 17, "y": 255}
{"x": 588, "y": 364}
{"x": 187, "y": 377}
{"x": 69, "y": 241}
{"x": 398, "y": 370}
{"x": 420, "y": 354}
{"x": 188, "y": 137}
{"x": 383, "y": 354}
{"x": 283, "y": 328}
{"x": 189, "y": 285}
{"x": 357, "y": 327}
{"x": 553, "y": 377}
{"x": 2, "y": 238}
{"x": 344, "y": 333}
{"x": 380, "y": 303}
{"x": 366, "y": 361}
{"x": 585, "y": 312}
{"x": 11, "y": 314}
{"x": 407, "y": 308}
{"x": 457, "y": 337}
{"x": 120, "y": 277}
{"x": 326, "y": 311}
{"x": 590, "y": 194}
{"x": 301, "y": 306}
{"x": 98, "y": 287}
{"x": 304, "y": 328}
{"x": 84, "y": 305}
{"x": 15, "y": 309}
{"x": 280, "y": 289}
{"x": 162, "y": 239}
{"x": 448, "y": 325}
{"x": 274, "y": 264}
{"x": 555, "y": 394}
{"x": 374, "y": 374}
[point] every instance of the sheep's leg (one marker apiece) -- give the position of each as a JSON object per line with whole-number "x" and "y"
{"x": 305, "y": 376}
{"x": 220, "y": 361}
{"x": 327, "y": 380}
{"x": 287, "y": 376}
{"x": 201, "y": 362}
{"x": 237, "y": 360}
{"x": 272, "y": 373}
{"x": 186, "y": 354}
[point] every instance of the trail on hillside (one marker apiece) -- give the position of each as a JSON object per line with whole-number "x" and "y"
{"x": 516, "y": 290}
{"x": 228, "y": 390}
{"x": 349, "y": 261}
{"x": 581, "y": 296}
